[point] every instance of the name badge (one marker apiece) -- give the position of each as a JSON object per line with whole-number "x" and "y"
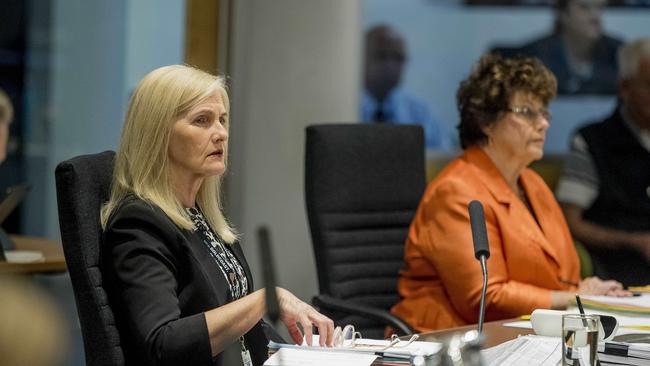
{"x": 246, "y": 357}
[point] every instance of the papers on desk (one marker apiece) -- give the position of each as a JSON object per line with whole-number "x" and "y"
{"x": 24, "y": 256}
{"x": 635, "y": 305}
{"x": 538, "y": 350}
{"x": 624, "y": 353}
{"x": 525, "y": 350}
{"x": 400, "y": 353}
{"x": 547, "y": 351}
{"x": 626, "y": 324}
{"x": 308, "y": 357}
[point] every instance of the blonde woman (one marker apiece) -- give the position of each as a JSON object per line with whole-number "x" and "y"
{"x": 175, "y": 274}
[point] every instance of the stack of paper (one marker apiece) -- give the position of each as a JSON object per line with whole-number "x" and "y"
{"x": 624, "y": 353}
{"x": 309, "y": 357}
{"x": 364, "y": 352}
{"x": 635, "y": 305}
{"x": 526, "y": 350}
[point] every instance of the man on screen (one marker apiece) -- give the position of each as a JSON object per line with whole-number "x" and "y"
{"x": 578, "y": 52}
{"x": 383, "y": 100}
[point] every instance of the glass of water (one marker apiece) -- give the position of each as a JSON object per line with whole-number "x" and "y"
{"x": 580, "y": 339}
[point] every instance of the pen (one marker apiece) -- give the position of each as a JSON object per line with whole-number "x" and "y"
{"x": 582, "y": 310}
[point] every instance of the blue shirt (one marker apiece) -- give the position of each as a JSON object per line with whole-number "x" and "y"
{"x": 403, "y": 108}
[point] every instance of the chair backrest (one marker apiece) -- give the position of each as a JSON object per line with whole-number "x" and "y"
{"x": 363, "y": 183}
{"x": 83, "y": 185}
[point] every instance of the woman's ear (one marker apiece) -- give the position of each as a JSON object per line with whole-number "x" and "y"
{"x": 488, "y": 130}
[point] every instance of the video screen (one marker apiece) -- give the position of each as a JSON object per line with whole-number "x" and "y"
{"x": 436, "y": 42}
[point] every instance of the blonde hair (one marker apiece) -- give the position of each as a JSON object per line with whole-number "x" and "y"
{"x": 6, "y": 109}
{"x": 142, "y": 164}
{"x": 630, "y": 56}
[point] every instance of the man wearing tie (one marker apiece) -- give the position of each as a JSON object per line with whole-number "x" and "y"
{"x": 383, "y": 100}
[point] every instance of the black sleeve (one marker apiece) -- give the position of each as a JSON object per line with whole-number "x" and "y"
{"x": 139, "y": 257}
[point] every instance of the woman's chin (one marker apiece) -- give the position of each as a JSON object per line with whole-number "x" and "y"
{"x": 535, "y": 155}
{"x": 215, "y": 170}
{"x": 538, "y": 156}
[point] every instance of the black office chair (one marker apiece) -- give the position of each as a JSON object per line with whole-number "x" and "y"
{"x": 363, "y": 184}
{"x": 82, "y": 185}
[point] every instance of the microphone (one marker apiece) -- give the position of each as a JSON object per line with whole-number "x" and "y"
{"x": 481, "y": 249}
{"x": 272, "y": 306}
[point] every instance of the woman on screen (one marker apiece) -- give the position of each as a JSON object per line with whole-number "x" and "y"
{"x": 533, "y": 263}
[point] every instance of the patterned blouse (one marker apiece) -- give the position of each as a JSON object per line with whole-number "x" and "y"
{"x": 222, "y": 255}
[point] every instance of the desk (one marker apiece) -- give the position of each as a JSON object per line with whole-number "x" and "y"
{"x": 495, "y": 333}
{"x": 52, "y": 250}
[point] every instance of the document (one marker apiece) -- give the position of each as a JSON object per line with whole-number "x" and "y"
{"x": 526, "y": 350}
{"x": 635, "y": 305}
{"x": 308, "y": 357}
{"x": 378, "y": 347}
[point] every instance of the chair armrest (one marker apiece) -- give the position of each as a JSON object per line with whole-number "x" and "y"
{"x": 333, "y": 304}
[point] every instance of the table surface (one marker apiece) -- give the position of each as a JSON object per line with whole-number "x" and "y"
{"x": 495, "y": 333}
{"x": 54, "y": 261}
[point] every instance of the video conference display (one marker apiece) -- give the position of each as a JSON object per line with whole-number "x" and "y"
{"x": 440, "y": 40}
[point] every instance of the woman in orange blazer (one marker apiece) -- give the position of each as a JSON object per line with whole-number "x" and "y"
{"x": 533, "y": 262}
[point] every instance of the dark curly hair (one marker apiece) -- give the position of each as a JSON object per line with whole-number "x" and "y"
{"x": 487, "y": 92}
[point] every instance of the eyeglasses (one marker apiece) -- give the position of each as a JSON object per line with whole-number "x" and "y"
{"x": 532, "y": 115}
{"x": 345, "y": 337}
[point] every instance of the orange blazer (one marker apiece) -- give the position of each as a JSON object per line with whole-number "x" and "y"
{"x": 441, "y": 283}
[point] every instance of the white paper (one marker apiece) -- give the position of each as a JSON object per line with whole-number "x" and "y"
{"x": 308, "y": 357}
{"x": 24, "y": 256}
{"x": 642, "y": 301}
{"x": 526, "y": 350}
{"x": 417, "y": 348}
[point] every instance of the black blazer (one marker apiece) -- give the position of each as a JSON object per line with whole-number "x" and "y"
{"x": 160, "y": 279}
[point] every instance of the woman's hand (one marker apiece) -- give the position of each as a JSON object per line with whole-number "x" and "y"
{"x": 596, "y": 286}
{"x": 294, "y": 311}
{"x": 589, "y": 286}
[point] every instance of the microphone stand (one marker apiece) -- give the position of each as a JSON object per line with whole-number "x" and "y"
{"x": 481, "y": 250}
{"x": 481, "y": 314}
{"x": 268, "y": 270}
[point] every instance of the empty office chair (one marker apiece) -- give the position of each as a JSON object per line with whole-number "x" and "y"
{"x": 363, "y": 184}
{"x": 82, "y": 185}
